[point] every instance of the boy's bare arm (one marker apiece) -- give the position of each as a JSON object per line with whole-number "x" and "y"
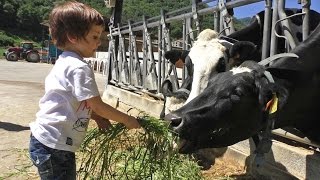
{"x": 108, "y": 112}
{"x": 103, "y": 123}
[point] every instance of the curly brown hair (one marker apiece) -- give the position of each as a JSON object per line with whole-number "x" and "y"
{"x": 72, "y": 18}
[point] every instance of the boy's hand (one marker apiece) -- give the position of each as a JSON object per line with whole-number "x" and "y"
{"x": 132, "y": 123}
{"x": 103, "y": 124}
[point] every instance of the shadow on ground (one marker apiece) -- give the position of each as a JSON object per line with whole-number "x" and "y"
{"x": 12, "y": 127}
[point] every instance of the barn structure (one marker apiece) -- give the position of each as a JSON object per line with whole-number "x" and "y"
{"x": 134, "y": 75}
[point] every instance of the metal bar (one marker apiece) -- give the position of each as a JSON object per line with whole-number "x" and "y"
{"x": 145, "y": 64}
{"x": 208, "y": 10}
{"x": 216, "y": 16}
{"x": 230, "y": 19}
{"x": 195, "y": 15}
{"x": 229, "y": 5}
{"x": 305, "y": 23}
{"x": 130, "y": 49}
{"x": 108, "y": 65}
{"x": 160, "y": 70}
{"x": 286, "y": 26}
{"x": 115, "y": 20}
{"x": 163, "y": 60}
{"x": 288, "y": 135}
{"x": 221, "y": 19}
{"x": 274, "y": 42}
{"x": 266, "y": 29}
{"x": 184, "y": 47}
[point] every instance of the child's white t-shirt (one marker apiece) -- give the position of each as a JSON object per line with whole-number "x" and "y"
{"x": 64, "y": 115}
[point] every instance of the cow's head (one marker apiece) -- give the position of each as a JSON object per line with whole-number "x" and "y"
{"x": 230, "y": 109}
{"x": 208, "y": 56}
{"x": 211, "y": 55}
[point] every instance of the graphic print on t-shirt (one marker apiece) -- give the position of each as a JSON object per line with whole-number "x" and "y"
{"x": 83, "y": 113}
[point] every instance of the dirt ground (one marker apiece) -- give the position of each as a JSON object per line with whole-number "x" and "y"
{"x": 22, "y": 85}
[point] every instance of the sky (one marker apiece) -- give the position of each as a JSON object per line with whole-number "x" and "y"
{"x": 252, "y": 9}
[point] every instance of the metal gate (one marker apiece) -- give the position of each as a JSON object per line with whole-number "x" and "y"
{"x": 144, "y": 70}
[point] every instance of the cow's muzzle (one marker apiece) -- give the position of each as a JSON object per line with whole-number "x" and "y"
{"x": 175, "y": 121}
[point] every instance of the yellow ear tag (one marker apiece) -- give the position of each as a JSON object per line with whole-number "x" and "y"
{"x": 274, "y": 105}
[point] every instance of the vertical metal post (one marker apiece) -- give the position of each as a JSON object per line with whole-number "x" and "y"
{"x": 195, "y": 15}
{"x": 164, "y": 61}
{"x": 161, "y": 69}
{"x": 184, "y": 46}
{"x": 230, "y": 19}
{"x": 274, "y": 42}
{"x": 130, "y": 49}
{"x": 216, "y": 16}
{"x": 285, "y": 24}
{"x": 108, "y": 64}
{"x": 189, "y": 31}
{"x": 266, "y": 30}
{"x": 120, "y": 57}
{"x": 115, "y": 19}
{"x": 135, "y": 73}
{"x": 144, "y": 50}
{"x": 221, "y": 21}
{"x": 305, "y": 24}
{"x": 226, "y": 19}
{"x": 172, "y": 68}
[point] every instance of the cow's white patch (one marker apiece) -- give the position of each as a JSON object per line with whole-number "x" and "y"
{"x": 238, "y": 70}
{"x": 207, "y": 35}
{"x": 205, "y": 55}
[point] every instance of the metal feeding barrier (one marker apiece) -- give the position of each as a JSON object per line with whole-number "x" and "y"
{"x": 136, "y": 59}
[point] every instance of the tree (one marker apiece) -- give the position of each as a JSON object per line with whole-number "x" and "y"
{"x": 8, "y": 10}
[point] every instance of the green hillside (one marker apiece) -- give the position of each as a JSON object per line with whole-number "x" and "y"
{"x": 21, "y": 20}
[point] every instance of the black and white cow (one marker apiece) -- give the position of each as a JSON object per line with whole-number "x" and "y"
{"x": 233, "y": 106}
{"x": 206, "y": 42}
{"x": 247, "y": 45}
{"x": 254, "y": 31}
{"x": 208, "y": 56}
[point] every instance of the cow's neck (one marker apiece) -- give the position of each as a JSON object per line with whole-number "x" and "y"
{"x": 253, "y": 28}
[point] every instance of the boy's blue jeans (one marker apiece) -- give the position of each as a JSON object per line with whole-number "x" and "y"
{"x": 52, "y": 164}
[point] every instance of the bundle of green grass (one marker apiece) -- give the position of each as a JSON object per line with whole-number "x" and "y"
{"x": 148, "y": 153}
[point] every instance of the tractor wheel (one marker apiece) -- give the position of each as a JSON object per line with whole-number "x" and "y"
{"x": 33, "y": 57}
{"x": 12, "y": 56}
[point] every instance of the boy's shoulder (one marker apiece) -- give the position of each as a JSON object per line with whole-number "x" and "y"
{"x": 71, "y": 59}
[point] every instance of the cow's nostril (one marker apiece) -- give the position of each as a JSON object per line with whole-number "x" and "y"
{"x": 174, "y": 119}
{"x": 176, "y": 122}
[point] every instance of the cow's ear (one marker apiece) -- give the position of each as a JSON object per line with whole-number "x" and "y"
{"x": 243, "y": 50}
{"x": 173, "y": 56}
{"x": 267, "y": 90}
{"x": 176, "y": 55}
{"x": 265, "y": 96}
{"x": 184, "y": 55}
{"x": 167, "y": 88}
{"x": 264, "y": 88}
{"x": 189, "y": 65}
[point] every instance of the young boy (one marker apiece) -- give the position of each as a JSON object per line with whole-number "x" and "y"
{"x": 71, "y": 93}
